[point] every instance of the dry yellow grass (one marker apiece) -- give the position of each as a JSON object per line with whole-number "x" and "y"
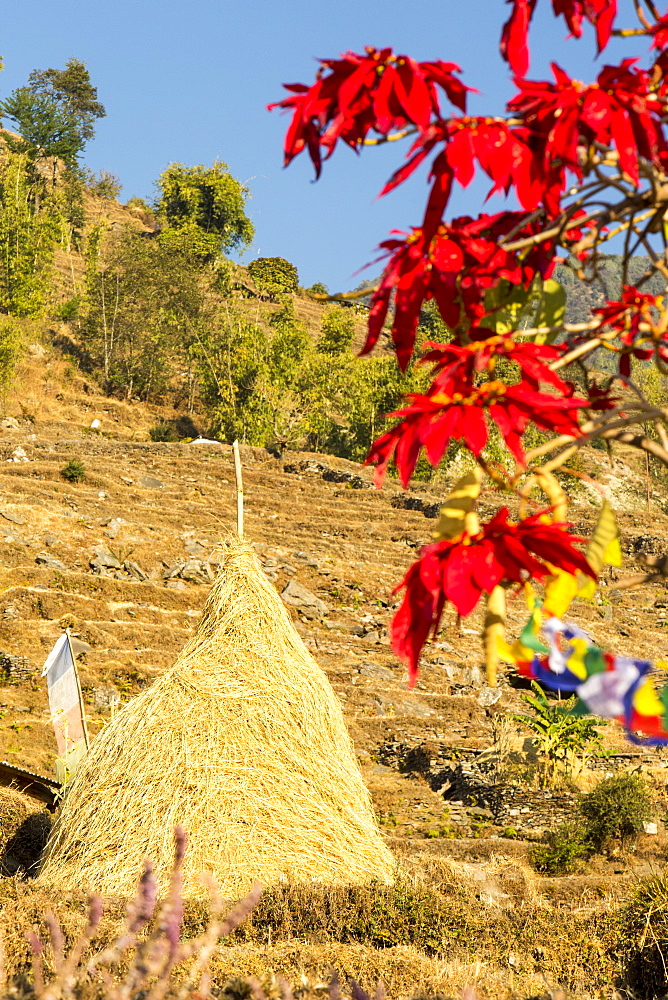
{"x": 417, "y": 940}
{"x": 404, "y": 972}
{"x": 24, "y": 825}
{"x": 243, "y": 744}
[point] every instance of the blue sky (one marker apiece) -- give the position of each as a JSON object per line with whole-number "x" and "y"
{"x": 189, "y": 81}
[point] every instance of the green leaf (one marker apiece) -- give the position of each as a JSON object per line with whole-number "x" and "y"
{"x": 512, "y": 307}
{"x": 551, "y": 309}
{"x": 506, "y": 303}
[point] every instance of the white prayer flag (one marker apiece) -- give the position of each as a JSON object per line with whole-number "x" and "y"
{"x": 66, "y": 705}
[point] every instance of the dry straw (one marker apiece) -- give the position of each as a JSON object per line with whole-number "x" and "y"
{"x": 243, "y": 743}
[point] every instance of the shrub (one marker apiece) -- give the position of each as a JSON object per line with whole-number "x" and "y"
{"x": 374, "y": 915}
{"x": 616, "y": 808}
{"x": 105, "y": 184}
{"x": 338, "y": 331}
{"x": 163, "y": 431}
{"x": 643, "y": 937}
{"x": 189, "y": 240}
{"x": 274, "y": 275}
{"x": 74, "y": 471}
{"x": 140, "y": 204}
{"x": 207, "y": 200}
{"x": 69, "y": 309}
{"x": 563, "y": 852}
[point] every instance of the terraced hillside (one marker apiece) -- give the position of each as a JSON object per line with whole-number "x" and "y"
{"x": 124, "y": 559}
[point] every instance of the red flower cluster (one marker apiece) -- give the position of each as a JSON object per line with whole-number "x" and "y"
{"x": 455, "y": 365}
{"x": 551, "y": 133}
{"x": 381, "y": 92}
{"x": 432, "y": 421}
{"x": 626, "y": 315}
{"x": 455, "y": 407}
{"x": 461, "y": 570}
{"x": 556, "y": 121}
{"x": 489, "y": 141}
{"x": 455, "y": 267}
{"x": 620, "y": 109}
{"x": 363, "y": 92}
{"x": 514, "y": 49}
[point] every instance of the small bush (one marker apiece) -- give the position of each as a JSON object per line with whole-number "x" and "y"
{"x": 139, "y": 204}
{"x": 69, "y": 309}
{"x": 560, "y": 737}
{"x": 338, "y": 331}
{"x": 105, "y": 184}
{"x": 616, "y": 808}
{"x": 189, "y": 240}
{"x": 376, "y": 916}
{"x": 74, "y": 471}
{"x": 274, "y": 275}
{"x": 163, "y": 432}
{"x": 563, "y": 852}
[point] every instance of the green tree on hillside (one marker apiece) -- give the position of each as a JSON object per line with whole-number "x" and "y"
{"x": 146, "y": 303}
{"x": 46, "y": 130}
{"x": 28, "y": 237}
{"x": 274, "y": 275}
{"x": 207, "y": 206}
{"x": 338, "y": 331}
{"x": 72, "y": 91}
{"x": 55, "y": 113}
{"x": 234, "y": 371}
{"x": 277, "y": 387}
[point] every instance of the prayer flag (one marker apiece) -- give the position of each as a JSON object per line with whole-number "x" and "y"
{"x": 66, "y": 705}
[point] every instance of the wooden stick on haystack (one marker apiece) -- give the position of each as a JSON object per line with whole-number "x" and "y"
{"x": 240, "y": 489}
{"x": 243, "y": 743}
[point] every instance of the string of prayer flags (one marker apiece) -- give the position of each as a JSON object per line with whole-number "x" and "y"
{"x": 606, "y": 684}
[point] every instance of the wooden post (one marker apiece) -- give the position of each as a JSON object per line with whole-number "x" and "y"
{"x": 494, "y": 629}
{"x": 240, "y": 489}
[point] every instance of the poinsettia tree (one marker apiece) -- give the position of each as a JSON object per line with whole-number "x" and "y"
{"x": 579, "y": 164}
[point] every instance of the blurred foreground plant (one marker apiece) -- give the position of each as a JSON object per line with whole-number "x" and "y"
{"x": 149, "y": 965}
{"x": 581, "y": 164}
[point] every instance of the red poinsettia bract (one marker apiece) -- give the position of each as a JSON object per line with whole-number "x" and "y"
{"x": 455, "y": 364}
{"x": 514, "y": 48}
{"x": 461, "y": 570}
{"x": 620, "y": 109}
{"x": 430, "y": 422}
{"x": 360, "y": 92}
{"x": 514, "y": 37}
{"x": 626, "y": 315}
{"x": 659, "y": 33}
{"x": 490, "y": 142}
{"x": 455, "y": 267}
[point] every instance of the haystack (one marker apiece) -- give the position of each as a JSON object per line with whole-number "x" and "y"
{"x": 243, "y": 743}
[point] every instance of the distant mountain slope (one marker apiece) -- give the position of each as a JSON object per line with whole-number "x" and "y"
{"x": 582, "y": 297}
